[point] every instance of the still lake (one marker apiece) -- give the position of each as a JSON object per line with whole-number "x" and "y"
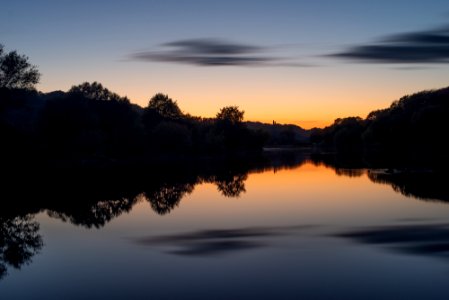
{"x": 290, "y": 229}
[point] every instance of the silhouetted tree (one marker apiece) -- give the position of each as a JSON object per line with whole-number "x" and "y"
{"x": 348, "y": 134}
{"x": 91, "y": 121}
{"x": 16, "y": 71}
{"x": 344, "y": 135}
{"x": 172, "y": 137}
{"x": 165, "y": 106}
{"x": 230, "y": 114}
{"x": 19, "y": 112}
{"x": 229, "y": 129}
{"x": 96, "y": 91}
{"x": 68, "y": 127}
{"x": 150, "y": 118}
{"x": 415, "y": 122}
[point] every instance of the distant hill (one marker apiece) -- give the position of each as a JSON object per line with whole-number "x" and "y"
{"x": 281, "y": 134}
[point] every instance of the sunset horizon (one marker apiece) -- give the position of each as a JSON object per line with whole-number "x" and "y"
{"x": 294, "y": 62}
{"x": 275, "y": 114}
{"x": 239, "y": 149}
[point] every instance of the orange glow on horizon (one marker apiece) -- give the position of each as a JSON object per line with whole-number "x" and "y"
{"x": 306, "y": 195}
{"x": 311, "y": 99}
{"x": 295, "y": 194}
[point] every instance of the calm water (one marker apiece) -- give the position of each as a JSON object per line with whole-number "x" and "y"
{"x": 287, "y": 230}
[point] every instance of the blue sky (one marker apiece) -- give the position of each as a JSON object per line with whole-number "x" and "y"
{"x": 76, "y": 41}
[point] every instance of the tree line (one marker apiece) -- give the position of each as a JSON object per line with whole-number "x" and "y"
{"x": 90, "y": 122}
{"x": 414, "y": 123}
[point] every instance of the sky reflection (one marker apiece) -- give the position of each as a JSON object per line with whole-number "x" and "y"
{"x": 307, "y": 223}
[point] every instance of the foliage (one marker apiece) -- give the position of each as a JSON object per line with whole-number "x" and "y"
{"x": 281, "y": 134}
{"x": 230, "y": 114}
{"x": 16, "y": 72}
{"x": 96, "y": 91}
{"x": 413, "y": 123}
{"x": 164, "y": 106}
{"x": 344, "y": 134}
{"x": 171, "y": 136}
{"x": 91, "y": 123}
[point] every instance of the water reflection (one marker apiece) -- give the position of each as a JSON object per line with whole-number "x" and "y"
{"x": 423, "y": 183}
{"x": 19, "y": 241}
{"x": 422, "y": 239}
{"x": 92, "y": 214}
{"x": 419, "y": 184}
{"x": 219, "y": 241}
{"x": 231, "y": 185}
{"x": 83, "y": 201}
{"x": 166, "y": 197}
{"x": 92, "y": 199}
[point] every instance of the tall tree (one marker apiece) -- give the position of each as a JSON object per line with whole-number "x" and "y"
{"x": 231, "y": 114}
{"x": 16, "y": 71}
{"x": 165, "y": 106}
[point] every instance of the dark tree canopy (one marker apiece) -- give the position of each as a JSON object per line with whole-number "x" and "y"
{"x": 165, "y": 106}
{"x": 415, "y": 124}
{"x": 16, "y": 72}
{"x": 96, "y": 91}
{"x": 231, "y": 114}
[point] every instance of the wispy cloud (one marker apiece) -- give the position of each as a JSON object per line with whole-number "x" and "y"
{"x": 421, "y": 47}
{"x": 213, "y": 52}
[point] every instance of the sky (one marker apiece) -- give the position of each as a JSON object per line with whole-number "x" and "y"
{"x": 300, "y": 62}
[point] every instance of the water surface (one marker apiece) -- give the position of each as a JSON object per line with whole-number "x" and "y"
{"x": 289, "y": 229}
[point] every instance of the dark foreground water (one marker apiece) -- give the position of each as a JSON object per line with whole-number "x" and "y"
{"x": 290, "y": 229}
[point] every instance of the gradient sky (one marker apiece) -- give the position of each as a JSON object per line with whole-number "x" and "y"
{"x": 302, "y": 62}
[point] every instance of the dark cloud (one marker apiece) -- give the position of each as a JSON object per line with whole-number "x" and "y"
{"x": 212, "y": 52}
{"x": 213, "y": 47}
{"x": 221, "y": 241}
{"x": 431, "y": 46}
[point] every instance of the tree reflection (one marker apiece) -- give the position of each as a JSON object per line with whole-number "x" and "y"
{"x": 92, "y": 199}
{"x": 96, "y": 214}
{"x": 424, "y": 185}
{"x": 232, "y": 186}
{"x": 19, "y": 242}
{"x": 167, "y": 196}
{"x": 417, "y": 180}
{"x": 350, "y": 172}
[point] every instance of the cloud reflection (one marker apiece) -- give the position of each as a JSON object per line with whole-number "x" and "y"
{"x": 220, "y": 241}
{"x": 421, "y": 239}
